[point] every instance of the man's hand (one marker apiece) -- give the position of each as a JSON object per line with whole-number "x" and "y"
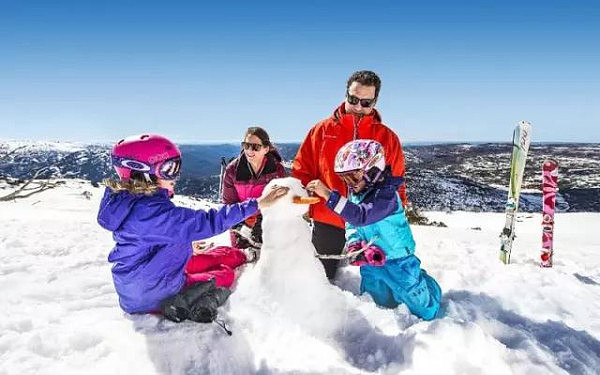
{"x": 319, "y": 188}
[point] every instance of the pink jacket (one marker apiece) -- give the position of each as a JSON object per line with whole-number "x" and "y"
{"x": 241, "y": 183}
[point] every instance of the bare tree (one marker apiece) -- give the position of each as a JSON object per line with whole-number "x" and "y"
{"x": 31, "y": 187}
{"x": 13, "y": 151}
{"x": 28, "y": 187}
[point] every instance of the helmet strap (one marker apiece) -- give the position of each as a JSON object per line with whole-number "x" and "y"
{"x": 372, "y": 177}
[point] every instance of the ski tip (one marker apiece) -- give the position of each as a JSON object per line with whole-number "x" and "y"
{"x": 524, "y": 123}
{"x": 550, "y": 163}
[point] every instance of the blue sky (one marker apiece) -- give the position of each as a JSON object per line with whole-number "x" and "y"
{"x": 451, "y": 70}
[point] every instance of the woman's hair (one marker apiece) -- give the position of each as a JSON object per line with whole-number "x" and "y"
{"x": 261, "y": 134}
{"x": 137, "y": 184}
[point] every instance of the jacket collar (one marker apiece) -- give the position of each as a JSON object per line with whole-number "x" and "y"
{"x": 116, "y": 207}
{"x": 386, "y": 180}
{"x": 243, "y": 170}
{"x": 347, "y": 119}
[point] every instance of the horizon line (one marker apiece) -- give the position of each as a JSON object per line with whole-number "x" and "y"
{"x": 230, "y": 142}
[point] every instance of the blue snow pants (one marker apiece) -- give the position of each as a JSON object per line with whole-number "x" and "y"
{"x": 402, "y": 281}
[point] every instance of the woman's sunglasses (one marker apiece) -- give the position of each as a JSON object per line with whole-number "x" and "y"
{"x": 365, "y": 103}
{"x": 253, "y": 146}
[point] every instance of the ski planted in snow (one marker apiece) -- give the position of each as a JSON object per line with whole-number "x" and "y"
{"x": 521, "y": 141}
{"x": 549, "y": 188}
{"x": 222, "y": 177}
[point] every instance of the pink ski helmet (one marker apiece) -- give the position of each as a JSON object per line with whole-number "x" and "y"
{"x": 361, "y": 155}
{"x": 150, "y": 154}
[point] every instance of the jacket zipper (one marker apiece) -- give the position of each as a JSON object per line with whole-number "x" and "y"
{"x": 356, "y": 122}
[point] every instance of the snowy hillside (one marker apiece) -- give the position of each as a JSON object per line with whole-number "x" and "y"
{"x": 61, "y": 315}
{"x": 440, "y": 177}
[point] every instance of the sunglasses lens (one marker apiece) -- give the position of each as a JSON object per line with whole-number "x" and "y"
{"x": 351, "y": 178}
{"x": 353, "y": 99}
{"x": 170, "y": 169}
{"x": 253, "y": 146}
{"x": 366, "y": 103}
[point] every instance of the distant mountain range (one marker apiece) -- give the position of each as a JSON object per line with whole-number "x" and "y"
{"x": 470, "y": 177}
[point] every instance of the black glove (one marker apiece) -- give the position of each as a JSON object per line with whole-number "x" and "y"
{"x": 205, "y": 309}
{"x": 247, "y": 236}
{"x": 241, "y": 242}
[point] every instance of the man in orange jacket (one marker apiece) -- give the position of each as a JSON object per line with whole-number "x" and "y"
{"x": 356, "y": 118}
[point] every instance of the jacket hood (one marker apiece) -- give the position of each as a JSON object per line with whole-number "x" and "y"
{"x": 115, "y": 207}
{"x": 387, "y": 180}
{"x": 390, "y": 180}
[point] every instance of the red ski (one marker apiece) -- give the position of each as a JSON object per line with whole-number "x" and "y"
{"x": 549, "y": 188}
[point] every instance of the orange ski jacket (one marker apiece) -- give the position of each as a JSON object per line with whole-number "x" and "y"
{"x": 316, "y": 154}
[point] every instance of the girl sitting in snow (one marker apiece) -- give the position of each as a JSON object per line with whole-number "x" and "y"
{"x": 153, "y": 259}
{"x": 377, "y": 225}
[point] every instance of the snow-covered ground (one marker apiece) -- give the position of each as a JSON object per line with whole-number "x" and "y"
{"x": 61, "y": 315}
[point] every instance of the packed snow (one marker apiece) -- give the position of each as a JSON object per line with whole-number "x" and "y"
{"x": 61, "y": 313}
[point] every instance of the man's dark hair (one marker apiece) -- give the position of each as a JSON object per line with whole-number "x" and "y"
{"x": 366, "y": 78}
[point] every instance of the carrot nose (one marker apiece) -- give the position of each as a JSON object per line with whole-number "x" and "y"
{"x": 306, "y": 200}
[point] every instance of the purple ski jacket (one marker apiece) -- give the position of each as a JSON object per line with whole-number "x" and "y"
{"x": 377, "y": 215}
{"x": 153, "y": 242}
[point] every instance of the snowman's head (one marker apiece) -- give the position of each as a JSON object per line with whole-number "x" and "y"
{"x": 294, "y": 203}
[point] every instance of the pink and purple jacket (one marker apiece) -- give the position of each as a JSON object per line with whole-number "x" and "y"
{"x": 241, "y": 183}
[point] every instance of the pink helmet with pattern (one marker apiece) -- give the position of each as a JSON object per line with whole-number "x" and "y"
{"x": 361, "y": 155}
{"x": 149, "y": 154}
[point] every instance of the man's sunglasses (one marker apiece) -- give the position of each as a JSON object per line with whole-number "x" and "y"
{"x": 365, "y": 103}
{"x": 253, "y": 146}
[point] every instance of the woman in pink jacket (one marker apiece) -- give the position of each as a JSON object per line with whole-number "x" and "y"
{"x": 245, "y": 177}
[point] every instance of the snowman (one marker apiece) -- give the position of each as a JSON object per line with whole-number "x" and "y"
{"x": 288, "y": 282}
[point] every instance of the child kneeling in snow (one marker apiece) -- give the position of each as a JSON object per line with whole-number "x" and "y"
{"x": 152, "y": 260}
{"x": 377, "y": 225}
